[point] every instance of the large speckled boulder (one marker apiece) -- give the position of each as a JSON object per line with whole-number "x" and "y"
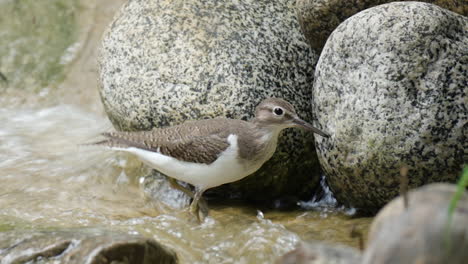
{"x": 164, "y": 62}
{"x": 421, "y": 233}
{"x": 73, "y": 246}
{"x": 390, "y": 86}
{"x": 318, "y": 18}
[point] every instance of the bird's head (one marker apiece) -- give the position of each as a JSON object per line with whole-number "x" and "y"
{"x": 279, "y": 114}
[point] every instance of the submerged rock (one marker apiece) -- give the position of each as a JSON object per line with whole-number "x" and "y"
{"x": 81, "y": 246}
{"x": 391, "y": 89}
{"x": 318, "y": 18}
{"x": 165, "y": 62}
{"x": 321, "y": 253}
{"x": 419, "y": 234}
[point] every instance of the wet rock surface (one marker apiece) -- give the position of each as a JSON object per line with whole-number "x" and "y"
{"x": 321, "y": 253}
{"x": 318, "y": 18}
{"x": 165, "y": 62}
{"x": 419, "y": 233}
{"x": 391, "y": 89}
{"x": 81, "y": 246}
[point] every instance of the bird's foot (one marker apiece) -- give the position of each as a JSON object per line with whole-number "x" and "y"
{"x": 198, "y": 214}
{"x": 201, "y": 211}
{"x": 203, "y": 207}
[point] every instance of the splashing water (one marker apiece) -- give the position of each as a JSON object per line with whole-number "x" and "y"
{"x": 326, "y": 202}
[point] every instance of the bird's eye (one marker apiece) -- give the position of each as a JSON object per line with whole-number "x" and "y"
{"x": 278, "y": 111}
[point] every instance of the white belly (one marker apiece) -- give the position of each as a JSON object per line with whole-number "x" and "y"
{"x": 225, "y": 169}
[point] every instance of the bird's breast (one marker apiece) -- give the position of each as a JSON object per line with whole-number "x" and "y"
{"x": 255, "y": 151}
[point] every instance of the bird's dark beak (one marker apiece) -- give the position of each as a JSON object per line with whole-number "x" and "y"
{"x": 301, "y": 123}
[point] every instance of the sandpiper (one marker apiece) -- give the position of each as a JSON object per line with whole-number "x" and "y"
{"x": 211, "y": 152}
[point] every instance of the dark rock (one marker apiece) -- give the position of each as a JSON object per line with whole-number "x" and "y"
{"x": 318, "y": 18}
{"x": 419, "y": 233}
{"x": 81, "y": 246}
{"x": 390, "y": 86}
{"x": 321, "y": 253}
{"x": 165, "y": 62}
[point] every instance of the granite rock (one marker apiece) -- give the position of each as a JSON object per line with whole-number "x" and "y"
{"x": 390, "y": 86}
{"x": 165, "y": 62}
{"x": 81, "y": 246}
{"x": 420, "y": 233}
{"x": 318, "y": 18}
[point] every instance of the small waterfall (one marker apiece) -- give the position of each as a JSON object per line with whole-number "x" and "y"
{"x": 325, "y": 202}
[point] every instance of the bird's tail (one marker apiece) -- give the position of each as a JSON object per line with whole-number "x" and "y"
{"x": 110, "y": 141}
{"x": 116, "y": 140}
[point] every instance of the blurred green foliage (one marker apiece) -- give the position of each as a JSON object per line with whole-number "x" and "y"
{"x": 34, "y": 38}
{"x": 461, "y": 188}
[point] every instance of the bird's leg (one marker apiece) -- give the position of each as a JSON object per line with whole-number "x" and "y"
{"x": 202, "y": 203}
{"x": 179, "y": 187}
{"x": 194, "y": 206}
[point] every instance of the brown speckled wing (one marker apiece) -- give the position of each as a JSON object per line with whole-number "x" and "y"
{"x": 200, "y": 143}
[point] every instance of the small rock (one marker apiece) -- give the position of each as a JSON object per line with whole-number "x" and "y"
{"x": 321, "y": 253}
{"x": 81, "y": 246}
{"x": 419, "y": 234}
{"x": 390, "y": 86}
{"x": 318, "y": 18}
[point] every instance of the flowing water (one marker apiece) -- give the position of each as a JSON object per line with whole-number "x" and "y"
{"x": 49, "y": 180}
